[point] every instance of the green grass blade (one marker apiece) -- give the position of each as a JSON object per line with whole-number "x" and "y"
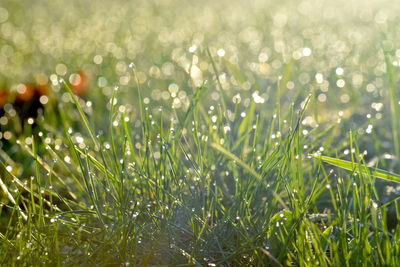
{"x": 351, "y": 166}
{"x": 237, "y": 160}
{"x": 81, "y": 113}
{"x": 394, "y": 106}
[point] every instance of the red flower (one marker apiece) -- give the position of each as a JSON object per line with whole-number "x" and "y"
{"x": 3, "y": 98}
{"x": 42, "y": 89}
{"x": 25, "y": 93}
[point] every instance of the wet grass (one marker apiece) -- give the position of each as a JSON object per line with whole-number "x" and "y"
{"x": 199, "y": 151}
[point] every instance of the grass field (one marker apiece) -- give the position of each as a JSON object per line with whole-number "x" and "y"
{"x": 200, "y": 133}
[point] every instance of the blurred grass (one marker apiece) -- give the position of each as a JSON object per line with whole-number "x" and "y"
{"x": 192, "y": 145}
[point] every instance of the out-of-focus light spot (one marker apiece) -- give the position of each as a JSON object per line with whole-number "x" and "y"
{"x": 340, "y": 83}
{"x": 61, "y": 69}
{"x": 221, "y": 52}
{"x": 306, "y": 51}
{"x": 97, "y": 59}
{"x": 43, "y": 100}
{"x": 28, "y": 140}
{"x": 236, "y": 99}
{"x": 75, "y": 79}
{"x": 339, "y": 71}
{"x": 263, "y": 57}
{"x": 345, "y": 98}
{"x": 173, "y": 88}
{"x": 377, "y": 106}
{"x": 322, "y": 97}
{"x": 369, "y": 129}
{"x": 7, "y": 135}
{"x": 257, "y": 98}
{"x": 79, "y": 139}
{"x": 67, "y": 159}
{"x": 193, "y": 48}
{"x": 319, "y": 78}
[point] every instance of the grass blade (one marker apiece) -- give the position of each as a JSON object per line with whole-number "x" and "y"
{"x": 81, "y": 113}
{"x": 352, "y": 166}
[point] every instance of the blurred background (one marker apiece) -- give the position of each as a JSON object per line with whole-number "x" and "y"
{"x": 332, "y": 49}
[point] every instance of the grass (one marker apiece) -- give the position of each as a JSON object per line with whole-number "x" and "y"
{"x": 351, "y": 166}
{"x": 209, "y": 149}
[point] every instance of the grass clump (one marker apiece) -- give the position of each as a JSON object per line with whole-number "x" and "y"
{"x": 200, "y": 139}
{"x": 192, "y": 190}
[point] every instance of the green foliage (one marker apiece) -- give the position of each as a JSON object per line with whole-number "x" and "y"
{"x": 360, "y": 168}
{"x": 207, "y": 150}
